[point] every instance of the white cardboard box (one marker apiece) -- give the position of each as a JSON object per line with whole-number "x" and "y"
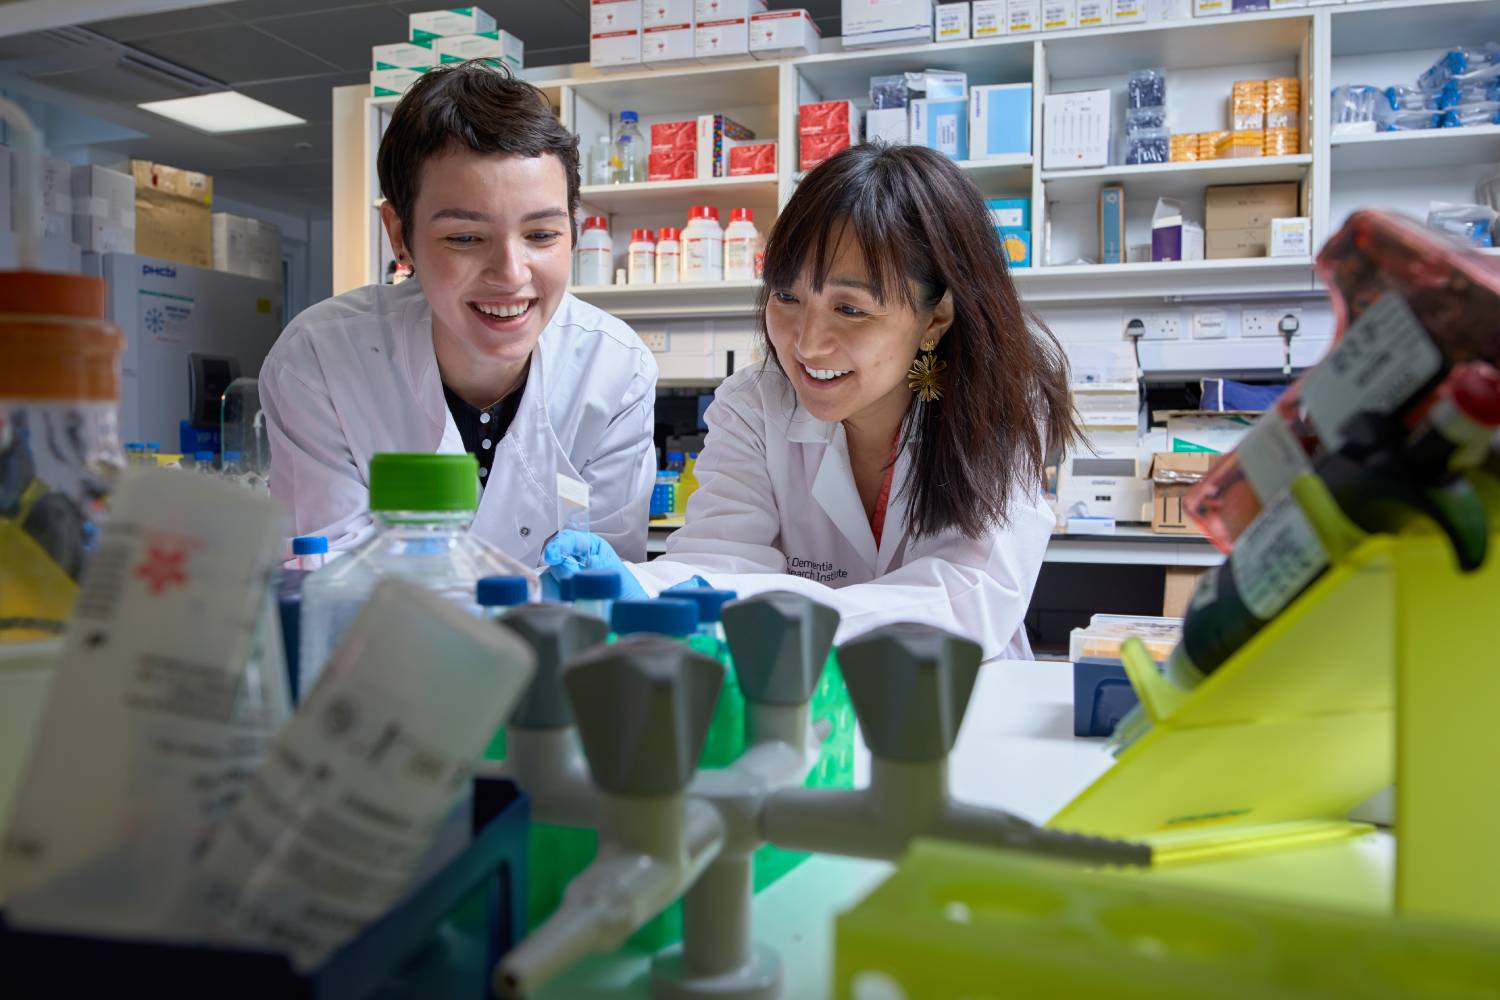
{"x": 1075, "y": 129}
{"x": 247, "y": 246}
{"x": 1130, "y": 11}
{"x": 402, "y": 55}
{"x": 886, "y": 22}
{"x": 103, "y": 210}
{"x": 887, "y": 125}
{"x": 1211, "y": 8}
{"x": 784, "y": 33}
{"x": 393, "y": 82}
{"x": 728, "y": 38}
{"x": 952, "y": 22}
{"x": 498, "y": 45}
{"x": 1023, "y": 16}
{"x": 1095, "y": 13}
{"x": 720, "y": 10}
{"x": 988, "y": 19}
{"x": 666, "y": 44}
{"x": 452, "y": 21}
{"x": 1291, "y": 237}
{"x": 614, "y": 33}
{"x": 57, "y": 201}
{"x": 1059, "y": 15}
{"x": 659, "y": 13}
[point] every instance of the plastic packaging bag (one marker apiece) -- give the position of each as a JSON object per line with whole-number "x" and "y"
{"x": 1354, "y": 107}
{"x": 1471, "y": 223}
{"x": 1465, "y": 115}
{"x": 1464, "y": 64}
{"x": 1146, "y": 88}
{"x": 1455, "y": 94}
{"x": 1390, "y": 120}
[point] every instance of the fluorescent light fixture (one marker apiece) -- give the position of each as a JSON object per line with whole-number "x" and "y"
{"x": 226, "y": 111}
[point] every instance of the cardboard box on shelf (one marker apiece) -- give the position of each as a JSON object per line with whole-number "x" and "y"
{"x": 668, "y": 44}
{"x": 825, "y": 128}
{"x": 713, "y": 10}
{"x": 1112, "y": 224}
{"x": 780, "y": 33}
{"x": 952, "y": 22}
{"x": 1177, "y": 589}
{"x": 672, "y": 164}
{"x": 394, "y": 82}
{"x": 614, "y": 33}
{"x": 501, "y": 46}
{"x": 173, "y": 213}
{"x": 726, "y": 38}
{"x": 988, "y": 19}
{"x": 716, "y": 133}
{"x": 1129, "y": 11}
{"x": 1232, "y": 244}
{"x": 429, "y": 24}
{"x": 57, "y": 201}
{"x": 247, "y": 246}
{"x": 656, "y": 13}
{"x": 1096, "y": 13}
{"x": 1246, "y": 206}
{"x": 103, "y": 210}
{"x": 1059, "y": 15}
{"x": 402, "y": 55}
{"x": 1173, "y": 237}
{"x": 1075, "y": 129}
{"x": 1212, "y": 8}
{"x": 887, "y": 22}
{"x": 1172, "y": 475}
{"x": 999, "y": 120}
{"x": 752, "y": 159}
{"x": 941, "y": 125}
{"x": 1291, "y": 237}
{"x": 675, "y": 136}
{"x": 1011, "y": 218}
{"x": 1023, "y": 16}
{"x": 1207, "y": 431}
{"x": 889, "y": 125}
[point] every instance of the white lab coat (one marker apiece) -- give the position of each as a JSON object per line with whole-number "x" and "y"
{"x": 356, "y": 375}
{"x": 776, "y": 509}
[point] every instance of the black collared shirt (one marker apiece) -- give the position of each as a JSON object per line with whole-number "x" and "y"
{"x": 482, "y": 430}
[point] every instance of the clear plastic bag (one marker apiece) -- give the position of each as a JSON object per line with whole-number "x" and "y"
{"x": 1412, "y": 99}
{"x": 1149, "y": 146}
{"x": 1390, "y": 120}
{"x": 1464, "y": 64}
{"x": 1146, "y": 88}
{"x": 1355, "y": 104}
{"x": 1465, "y": 115}
{"x": 1471, "y": 223}
{"x": 1455, "y": 93}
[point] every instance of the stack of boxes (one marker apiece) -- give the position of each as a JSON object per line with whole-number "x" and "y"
{"x": 722, "y": 28}
{"x": 1239, "y": 218}
{"x": 778, "y": 33}
{"x": 667, "y": 35}
{"x": 1264, "y": 121}
{"x": 57, "y": 200}
{"x": 246, "y": 246}
{"x": 436, "y": 37}
{"x": 674, "y": 151}
{"x": 825, "y": 128}
{"x": 1012, "y": 220}
{"x": 712, "y": 145}
{"x": 614, "y": 33}
{"x": 887, "y": 22}
{"x": 1146, "y": 137}
{"x": 173, "y": 210}
{"x": 103, "y": 210}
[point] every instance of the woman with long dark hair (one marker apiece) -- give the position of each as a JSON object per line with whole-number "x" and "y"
{"x": 887, "y": 456}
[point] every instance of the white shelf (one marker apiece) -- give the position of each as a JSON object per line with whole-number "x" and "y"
{"x": 1151, "y": 180}
{"x": 682, "y": 90}
{"x": 1013, "y": 170}
{"x": 1425, "y": 149}
{"x": 654, "y": 196}
{"x": 1411, "y": 25}
{"x": 1197, "y": 43}
{"x": 715, "y": 298}
{"x": 1202, "y": 278}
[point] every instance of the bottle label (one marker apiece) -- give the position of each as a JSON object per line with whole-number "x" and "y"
{"x": 739, "y": 258}
{"x": 666, "y": 264}
{"x": 1272, "y": 457}
{"x": 703, "y": 256}
{"x": 642, "y": 264}
{"x": 1276, "y": 557}
{"x": 1383, "y": 359}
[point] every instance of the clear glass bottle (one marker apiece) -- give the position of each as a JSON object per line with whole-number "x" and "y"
{"x": 630, "y": 151}
{"x": 602, "y": 167}
{"x": 422, "y": 506}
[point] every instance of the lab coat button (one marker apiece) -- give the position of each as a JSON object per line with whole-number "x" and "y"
{"x": 525, "y": 531}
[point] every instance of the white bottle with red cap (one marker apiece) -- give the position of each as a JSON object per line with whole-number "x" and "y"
{"x": 742, "y": 247}
{"x": 703, "y": 245}
{"x": 642, "y": 258}
{"x": 596, "y": 252}
{"x": 668, "y": 255}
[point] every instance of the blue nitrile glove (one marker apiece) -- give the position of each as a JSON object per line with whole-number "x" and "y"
{"x": 691, "y": 583}
{"x": 569, "y": 551}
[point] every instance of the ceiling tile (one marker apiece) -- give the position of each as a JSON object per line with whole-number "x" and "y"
{"x": 36, "y": 45}
{"x": 129, "y": 29}
{"x": 343, "y": 37}
{"x": 234, "y": 54}
{"x": 311, "y": 98}
{"x": 254, "y": 10}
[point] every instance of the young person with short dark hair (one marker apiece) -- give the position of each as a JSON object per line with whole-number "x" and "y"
{"x": 887, "y": 457}
{"x": 484, "y": 350}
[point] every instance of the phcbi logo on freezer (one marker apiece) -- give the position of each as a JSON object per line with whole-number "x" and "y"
{"x": 147, "y": 271}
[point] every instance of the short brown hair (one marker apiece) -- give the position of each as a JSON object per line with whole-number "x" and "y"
{"x": 918, "y": 221}
{"x": 475, "y": 105}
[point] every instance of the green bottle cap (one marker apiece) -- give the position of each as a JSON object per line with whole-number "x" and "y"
{"x": 424, "y": 482}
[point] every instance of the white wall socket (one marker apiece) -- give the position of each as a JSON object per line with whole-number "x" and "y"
{"x": 655, "y": 340}
{"x": 1263, "y": 321}
{"x": 1159, "y": 325}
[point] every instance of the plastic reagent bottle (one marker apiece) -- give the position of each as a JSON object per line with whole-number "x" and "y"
{"x": 710, "y": 625}
{"x": 422, "y": 505}
{"x": 703, "y": 245}
{"x": 495, "y": 594}
{"x": 642, "y": 258}
{"x": 595, "y": 592}
{"x": 630, "y": 150}
{"x": 596, "y": 252}
{"x": 742, "y": 247}
{"x": 668, "y": 255}
{"x": 203, "y": 461}
{"x": 311, "y": 552}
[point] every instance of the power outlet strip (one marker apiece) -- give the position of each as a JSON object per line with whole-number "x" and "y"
{"x": 1264, "y": 321}
{"x": 655, "y": 340}
{"x": 1159, "y": 325}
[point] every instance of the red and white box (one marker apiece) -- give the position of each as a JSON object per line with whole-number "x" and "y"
{"x": 614, "y": 33}
{"x": 720, "y": 10}
{"x": 824, "y": 129}
{"x": 660, "y": 13}
{"x": 675, "y": 136}
{"x": 672, "y": 164}
{"x": 723, "y": 39}
{"x": 780, "y": 33}
{"x": 752, "y": 159}
{"x": 668, "y": 44}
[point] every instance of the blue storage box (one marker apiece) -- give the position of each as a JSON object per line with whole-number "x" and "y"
{"x": 1102, "y": 696}
{"x": 442, "y": 941}
{"x": 999, "y": 120}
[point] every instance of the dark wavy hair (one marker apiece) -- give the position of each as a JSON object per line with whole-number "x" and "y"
{"x": 473, "y": 105}
{"x": 924, "y": 230}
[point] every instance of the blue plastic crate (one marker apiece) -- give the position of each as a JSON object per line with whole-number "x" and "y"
{"x": 1102, "y": 695}
{"x": 442, "y": 941}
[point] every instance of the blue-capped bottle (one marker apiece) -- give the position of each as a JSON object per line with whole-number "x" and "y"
{"x": 310, "y": 551}
{"x": 595, "y": 591}
{"x": 494, "y": 594}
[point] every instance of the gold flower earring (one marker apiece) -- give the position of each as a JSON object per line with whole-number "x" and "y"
{"x": 925, "y": 376}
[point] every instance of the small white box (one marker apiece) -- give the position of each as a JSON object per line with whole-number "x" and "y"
{"x": 784, "y": 33}
{"x": 614, "y": 33}
{"x": 1023, "y": 16}
{"x": 103, "y": 210}
{"x": 1095, "y": 13}
{"x": 1291, "y": 237}
{"x": 1212, "y": 8}
{"x": 501, "y": 46}
{"x": 428, "y": 24}
{"x": 1075, "y": 129}
{"x": 887, "y": 125}
{"x": 988, "y": 19}
{"x": 393, "y": 82}
{"x": 1169, "y": 10}
{"x": 952, "y": 22}
{"x": 1059, "y": 15}
{"x": 1283, "y": 4}
{"x": 246, "y": 246}
{"x": 724, "y": 39}
{"x": 1129, "y": 11}
{"x": 721, "y": 10}
{"x": 402, "y": 55}
{"x": 660, "y": 13}
{"x": 668, "y": 43}
{"x": 886, "y": 22}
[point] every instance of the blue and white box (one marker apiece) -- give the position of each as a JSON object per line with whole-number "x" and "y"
{"x": 1012, "y": 220}
{"x": 941, "y": 125}
{"x": 999, "y": 120}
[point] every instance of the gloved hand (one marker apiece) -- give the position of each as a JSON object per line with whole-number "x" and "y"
{"x": 569, "y": 551}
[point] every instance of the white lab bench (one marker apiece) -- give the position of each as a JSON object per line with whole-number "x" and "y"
{"x": 1016, "y": 751}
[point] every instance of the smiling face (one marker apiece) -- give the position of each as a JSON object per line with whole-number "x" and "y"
{"x": 845, "y": 351}
{"x": 491, "y": 246}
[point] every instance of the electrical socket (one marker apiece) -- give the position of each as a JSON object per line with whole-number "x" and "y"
{"x": 1263, "y": 321}
{"x": 655, "y": 340}
{"x": 1159, "y": 325}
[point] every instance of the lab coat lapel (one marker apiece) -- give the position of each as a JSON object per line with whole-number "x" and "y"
{"x": 835, "y": 492}
{"x": 893, "y": 535}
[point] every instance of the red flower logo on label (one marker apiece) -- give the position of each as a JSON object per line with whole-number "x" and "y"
{"x": 163, "y": 568}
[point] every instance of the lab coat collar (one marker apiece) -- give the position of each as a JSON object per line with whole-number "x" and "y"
{"x": 834, "y": 490}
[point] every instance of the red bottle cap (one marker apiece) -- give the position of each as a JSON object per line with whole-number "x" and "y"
{"x": 668, "y": 233}
{"x": 1474, "y": 387}
{"x": 703, "y": 212}
{"x": 642, "y": 236}
{"x": 596, "y": 222}
{"x": 741, "y": 215}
